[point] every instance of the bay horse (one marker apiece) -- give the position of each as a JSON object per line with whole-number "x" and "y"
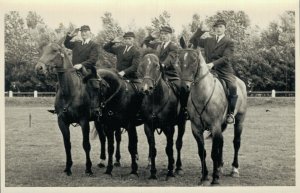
{"x": 207, "y": 107}
{"x": 160, "y": 109}
{"x": 73, "y": 99}
{"x": 119, "y": 105}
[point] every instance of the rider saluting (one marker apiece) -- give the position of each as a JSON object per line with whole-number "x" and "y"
{"x": 218, "y": 49}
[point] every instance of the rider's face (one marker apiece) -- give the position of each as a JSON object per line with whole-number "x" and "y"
{"x": 128, "y": 41}
{"x": 165, "y": 37}
{"x": 85, "y": 34}
{"x": 220, "y": 29}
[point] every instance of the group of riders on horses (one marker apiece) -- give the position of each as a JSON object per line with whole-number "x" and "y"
{"x": 218, "y": 49}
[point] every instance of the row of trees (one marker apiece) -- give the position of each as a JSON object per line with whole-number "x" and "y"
{"x": 264, "y": 59}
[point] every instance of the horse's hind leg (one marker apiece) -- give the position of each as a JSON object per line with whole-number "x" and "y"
{"x": 118, "y": 137}
{"x": 64, "y": 128}
{"x": 169, "y": 132}
{"x": 198, "y": 135}
{"x": 85, "y": 127}
{"x": 102, "y": 138}
{"x": 132, "y": 148}
{"x": 238, "y": 128}
{"x": 181, "y": 130}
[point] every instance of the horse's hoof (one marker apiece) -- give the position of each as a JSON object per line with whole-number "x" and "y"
{"x": 152, "y": 177}
{"x": 101, "y": 165}
{"x": 170, "y": 174}
{"x": 89, "y": 173}
{"x": 215, "y": 182}
{"x": 235, "y": 173}
{"x": 170, "y": 177}
{"x": 68, "y": 172}
{"x": 179, "y": 172}
{"x": 117, "y": 164}
{"x": 133, "y": 176}
{"x": 204, "y": 181}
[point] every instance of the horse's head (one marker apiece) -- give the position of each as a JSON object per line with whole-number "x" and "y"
{"x": 188, "y": 62}
{"x": 150, "y": 71}
{"x": 52, "y": 56}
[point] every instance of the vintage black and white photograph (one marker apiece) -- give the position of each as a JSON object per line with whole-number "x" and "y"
{"x": 131, "y": 96}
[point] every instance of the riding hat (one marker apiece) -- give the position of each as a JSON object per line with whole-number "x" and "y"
{"x": 129, "y": 34}
{"x": 166, "y": 29}
{"x": 220, "y": 22}
{"x": 85, "y": 28}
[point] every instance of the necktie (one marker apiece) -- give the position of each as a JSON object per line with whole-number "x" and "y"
{"x": 217, "y": 38}
{"x": 163, "y": 45}
{"x": 125, "y": 49}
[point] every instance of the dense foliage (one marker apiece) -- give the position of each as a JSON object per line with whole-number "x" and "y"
{"x": 264, "y": 58}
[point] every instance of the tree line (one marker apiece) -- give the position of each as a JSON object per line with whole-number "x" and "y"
{"x": 264, "y": 58}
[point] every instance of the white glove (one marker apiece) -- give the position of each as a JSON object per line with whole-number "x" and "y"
{"x": 122, "y": 73}
{"x": 77, "y": 66}
{"x": 210, "y": 65}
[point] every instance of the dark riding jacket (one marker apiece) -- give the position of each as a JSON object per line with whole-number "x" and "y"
{"x": 218, "y": 53}
{"x": 85, "y": 54}
{"x": 126, "y": 61}
{"x": 166, "y": 56}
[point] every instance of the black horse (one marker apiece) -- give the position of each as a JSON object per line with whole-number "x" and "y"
{"x": 160, "y": 109}
{"x": 73, "y": 101}
{"x": 119, "y": 105}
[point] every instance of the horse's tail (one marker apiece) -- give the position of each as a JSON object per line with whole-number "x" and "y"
{"x": 223, "y": 128}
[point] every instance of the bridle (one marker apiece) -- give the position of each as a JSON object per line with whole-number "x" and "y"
{"x": 154, "y": 82}
{"x": 197, "y": 78}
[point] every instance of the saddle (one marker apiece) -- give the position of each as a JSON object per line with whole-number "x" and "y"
{"x": 225, "y": 87}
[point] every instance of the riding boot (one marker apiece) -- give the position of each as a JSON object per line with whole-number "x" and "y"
{"x": 232, "y": 103}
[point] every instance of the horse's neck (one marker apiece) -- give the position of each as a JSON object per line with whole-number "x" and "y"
{"x": 160, "y": 92}
{"x": 205, "y": 84}
{"x": 115, "y": 85}
{"x": 68, "y": 82}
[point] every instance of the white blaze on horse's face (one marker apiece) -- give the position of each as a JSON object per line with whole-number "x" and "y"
{"x": 184, "y": 59}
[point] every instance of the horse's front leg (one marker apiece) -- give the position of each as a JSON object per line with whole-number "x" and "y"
{"x": 198, "y": 135}
{"x": 152, "y": 150}
{"x": 169, "y": 132}
{"x": 118, "y": 136}
{"x": 110, "y": 140}
{"x": 64, "y": 128}
{"x": 85, "y": 127}
{"x": 102, "y": 138}
{"x": 132, "y": 148}
{"x": 216, "y": 153}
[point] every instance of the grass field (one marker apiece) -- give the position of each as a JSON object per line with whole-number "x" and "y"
{"x": 34, "y": 156}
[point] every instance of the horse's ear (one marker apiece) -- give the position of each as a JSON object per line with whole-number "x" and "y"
{"x": 201, "y": 58}
{"x": 61, "y": 40}
{"x": 182, "y": 42}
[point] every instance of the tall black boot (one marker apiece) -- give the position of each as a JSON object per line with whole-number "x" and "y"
{"x": 232, "y": 103}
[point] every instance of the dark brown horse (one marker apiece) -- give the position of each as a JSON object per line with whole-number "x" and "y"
{"x": 73, "y": 99}
{"x": 207, "y": 107}
{"x": 160, "y": 109}
{"x": 119, "y": 104}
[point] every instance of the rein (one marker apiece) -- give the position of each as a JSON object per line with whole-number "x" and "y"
{"x": 197, "y": 80}
{"x": 153, "y": 80}
{"x": 103, "y": 104}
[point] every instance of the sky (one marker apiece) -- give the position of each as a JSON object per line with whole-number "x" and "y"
{"x": 140, "y": 12}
